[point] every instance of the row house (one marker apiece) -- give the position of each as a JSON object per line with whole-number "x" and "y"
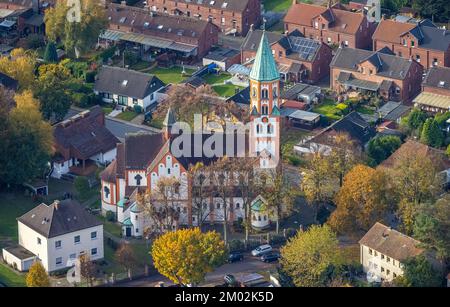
{"x": 435, "y": 95}
{"x": 156, "y": 32}
{"x": 378, "y": 72}
{"x": 422, "y": 41}
{"x": 231, "y": 16}
{"x": 332, "y": 24}
{"x": 299, "y": 59}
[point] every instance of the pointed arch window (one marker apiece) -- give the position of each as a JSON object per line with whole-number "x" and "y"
{"x": 138, "y": 179}
{"x": 269, "y": 129}
{"x": 265, "y": 93}
{"x": 106, "y": 191}
{"x": 265, "y": 110}
{"x": 274, "y": 92}
{"x": 254, "y": 92}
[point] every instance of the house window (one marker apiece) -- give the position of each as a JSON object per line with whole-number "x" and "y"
{"x": 382, "y": 269}
{"x": 135, "y": 101}
{"x": 106, "y": 192}
{"x": 316, "y": 25}
{"x": 58, "y": 261}
{"x": 138, "y": 179}
{"x": 370, "y": 251}
{"x": 237, "y": 205}
{"x": 346, "y": 43}
{"x": 412, "y": 44}
{"x": 265, "y": 93}
{"x": 329, "y": 40}
{"x": 265, "y": 110}
{"x": 388, "y": 259}
{"x": 418, "y": 58}
{"x": 404, "y": 42}
{"x": 435, "y": 62}
{"x": 94, "y": 251}
{"x": 72, "y": 256}
{"x": 58, "y": 244}
{"x": 76, "y": 240}
{"x": 137, "y": 230}
{"x": 280, "y": 54}
{"x": 388, "y": 272}
{"x": 123, "y": 100}
{"x": 375, "y": 253}
{"x": 217, "y": 206}
{"x": 382, "y": 256}
{"x": 168, "y": 171}
{"x": 395, "y": 275}
{"x": 93, "y": 235}
{"x": 39, "y": 241}
{"x": 269, "y": 129}
{"x": 223, "y": 20}
{"x": 254, "y": 92}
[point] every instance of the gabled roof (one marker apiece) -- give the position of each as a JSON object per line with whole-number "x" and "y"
{"x": 141, "y": 148}
{"x": 264, "y": 67}
{"x": 84, "y": 135}
{"x": 58, "y": 218}
{"x": 391, "y": 66}
{"x": 299, "y": 89}
{"x": 355, "y": 126}
{"x": 391, "y": 243}
{"x": 438, "y": 77}
{"x": 241, "y": 97}
{"x": 125, "y": 82}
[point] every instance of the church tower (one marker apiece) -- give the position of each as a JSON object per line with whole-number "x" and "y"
{"x": 264, "y": 107}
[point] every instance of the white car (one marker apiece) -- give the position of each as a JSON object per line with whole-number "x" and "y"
{"x": 261, "y": 250}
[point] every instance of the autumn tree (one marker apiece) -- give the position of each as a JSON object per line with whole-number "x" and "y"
{"x": 186, "y": 256}
{"x": 312, "y": 258}
{"x": 418, "y": 272}
{"x": 88, "y": 269}
{"x": 280, "y": 197}
{"x": 201, "y": 192}
{"x": 363, "y": 200}
{"x": 37, "y": 276}
{"x": 343, "y": 155}
{"x": 20, "y": 66}
{"x": 77, "y": 27}
{"x": 28, "y": 142}
{"x": 317, "y": 184}
{"x": 162, "y": 205}
{"x": 125, "y": 256}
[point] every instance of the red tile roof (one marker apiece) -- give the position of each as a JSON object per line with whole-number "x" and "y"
{"x": 390, "y": 30}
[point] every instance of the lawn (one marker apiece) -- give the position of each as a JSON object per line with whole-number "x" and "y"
{"x": 215, "y": 78}
{"x": 328, "y": 109}
{"x": 226, "y": 90}
{"x": 107, "y": 110}
{"x": 365, "y": 110}
{"x": 277, "y": 5}
{"x": 141, "y": 65}
{"x": 289, "y": 138}
{"x": 110, "y": 227}
{"x": 11, "y": 278}
{"x": 171, "y": 75}
{"x": 127, "y": 115}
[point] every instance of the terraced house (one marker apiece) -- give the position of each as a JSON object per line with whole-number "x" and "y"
{"x": 333, "y": 24}
{"x": 231, "y": 16}
{"x": 299, "y": 59}
{"x": 379, "y": 72}
{"x": 435, "y": 95}
{"x": 422, "y": 41}
{"x": 159, "y": 33}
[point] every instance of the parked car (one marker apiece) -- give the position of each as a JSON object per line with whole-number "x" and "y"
{"x": 261, "y": 250}
{"x": 234, "y": 257}
{"x": 230, "y": 280}
{"x": 271, "y": 257}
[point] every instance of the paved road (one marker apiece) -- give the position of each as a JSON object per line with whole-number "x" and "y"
{"x": 249, "y": 265}
{"x": 117, "y": 127}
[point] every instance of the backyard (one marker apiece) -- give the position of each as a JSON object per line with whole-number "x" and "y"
{"x": 328, "y": 108}
{"x": 127, "y": 115}
{"x": 289, "y": 138}
{"x": 216, "y": 78}
{"x": 171, "y": 75}
{"x": 11, "y": 278}
{"x": 277, "y": 5}
{"x": 226, "y": 90}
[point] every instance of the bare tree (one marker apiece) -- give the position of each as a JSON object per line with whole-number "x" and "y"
{"x": 87, "y": 269}
{"x": 125, "y": 256}
{"x": 201, "y": 191}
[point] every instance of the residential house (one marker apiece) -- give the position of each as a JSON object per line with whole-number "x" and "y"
{"x": 241, "y": 98}
{"x": 383, "y": 251}
{"x": 81, "y": 142}
{"x": 377, "y": 72}
{"x": 435, "y": 95}
{"x": 300, "y": 96}
{"x": 230, "y": 16}
{"x": 419, "y": 40}
{"x": 56, "y": 235}
{"x": 353, "y": 124}
{"x": 299, "y": 59}
{"x": 127, "y": 87}
{"x": 175, "y": 36}
{"x": 333, "y": 25}
{"x": 222, "y": 57}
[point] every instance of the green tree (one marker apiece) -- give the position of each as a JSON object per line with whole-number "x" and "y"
{"x": 418, "y": 272}
{"x": 447, "y": 152}
{"x": 312, "y": 257}
{"x": 29, "y": 142}
{"x": 78, "y": 37}
{"x": 50, "y": 55}
{"x": 186, "y": 256}
{"x": 380, "y": 148}
{"x": 437, "y": 10}
{"x": 81, "y": 185}
{"x": 37, "y": 276}
{"x": 432, "y": 133}
{"x": 414, "y": 121}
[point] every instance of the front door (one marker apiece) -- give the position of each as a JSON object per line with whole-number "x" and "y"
{"x": 128, "y": 231}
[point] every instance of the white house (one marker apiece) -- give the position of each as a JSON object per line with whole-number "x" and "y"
{"x": 128, "y": 87}
{"x": 382, "y": 251}
{"x": 56, "y": 235}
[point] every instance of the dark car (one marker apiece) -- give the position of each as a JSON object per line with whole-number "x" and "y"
{"x": 270, "y": 257}
{"x": 230, "y": 280}
{"x": 233, "y": 257}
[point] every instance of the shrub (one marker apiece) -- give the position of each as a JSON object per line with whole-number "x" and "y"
{"x": 34, "y": 41}
{"x": 110, "y": 216}
{"x": 236, "y": 246}
{"x": 294, "y": 160}
{"x": 81, "y": 100}
{"x": 277, "y": 239}
{"x": 290, "y": 232}
{"x": 81, "y": 185}
{"x": 137, "y": 108}
{"x": 90, "y": 76}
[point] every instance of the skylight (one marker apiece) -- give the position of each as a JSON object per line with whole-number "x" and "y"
{"x": 212, "y": 2}
{"x": 122, "y": 20}
{"x": 124, "y": 82}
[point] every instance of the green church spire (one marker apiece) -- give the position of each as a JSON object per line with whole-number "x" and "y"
{"x": 264, "y": 67}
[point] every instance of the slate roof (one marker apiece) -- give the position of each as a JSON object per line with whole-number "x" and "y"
{"x": 355, "y": 126}
{"x": 125, "y": 82}
{"x": 8, "y": 82}
{"x": 231, "y": 5}
{"x": 84, "y": 135}
{"x": 341, "y": 21}
{"x": 241, "y": 97}
{"x": 430, "y": 37}
{"x": 436, "y": 75}
{"x": 58, "y": 218}
{"x": 299, "y": 89}
{"x": 20, "y": 252}
{"x": 391, "y": 243}
{"x": 264, "y": 67}
{"x": 391, "y": 66}
{"x": 221, "y": 54}
{"x": 141, "y": 148}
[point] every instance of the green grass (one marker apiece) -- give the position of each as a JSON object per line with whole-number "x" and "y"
{"x": 226, "y": 90}
{"x": 11, "y": 278}
{"x": 110, "y": 227}
{"x": 365, "y": 110}
{"x": 141, "y": 65}
{"x": 156, "y": 123}
{"x": 11, "y": 207}
{"x": 289, "y": 139}
{"x": 107, "y": 110}
{"x": 215, "y": 79}
{"x": 171, "y": 75}
{"x": 127, "y": 115}
{"x": 277, "y": 5}
{"x": 328, "y": 109}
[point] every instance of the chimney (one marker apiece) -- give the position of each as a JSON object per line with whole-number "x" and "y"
{"x": 123, "y": 3}
{"x": 35, "y": 5}
{"x": 56, "y": 203}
